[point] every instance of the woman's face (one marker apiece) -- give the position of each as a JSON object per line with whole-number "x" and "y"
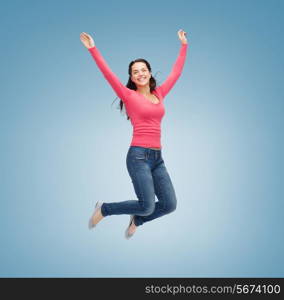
{"x": 140, "y": 74}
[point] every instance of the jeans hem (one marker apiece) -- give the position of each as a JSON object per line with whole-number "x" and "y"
{"x": 104, "y": 210}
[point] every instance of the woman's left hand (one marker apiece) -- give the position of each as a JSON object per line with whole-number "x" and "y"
{"x": 181, "y": 35}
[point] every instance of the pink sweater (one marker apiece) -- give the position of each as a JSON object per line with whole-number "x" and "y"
{"x": 145, "y": 116}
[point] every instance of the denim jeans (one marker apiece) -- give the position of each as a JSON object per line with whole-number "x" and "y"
{"x": 150, "y": 177}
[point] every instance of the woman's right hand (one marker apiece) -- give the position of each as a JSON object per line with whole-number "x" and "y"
{"x": 87, "y": 40}
{"x": 182, "y": 36}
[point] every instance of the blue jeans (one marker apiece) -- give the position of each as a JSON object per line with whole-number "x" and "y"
{"x": 149, "y": 176}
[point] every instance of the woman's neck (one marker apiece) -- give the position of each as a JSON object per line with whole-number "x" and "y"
{"x": 144, "y": 90}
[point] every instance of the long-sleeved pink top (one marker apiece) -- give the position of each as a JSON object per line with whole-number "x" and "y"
{"x": 145, "y": 116}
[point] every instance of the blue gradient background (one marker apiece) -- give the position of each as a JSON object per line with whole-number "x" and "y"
{"x": 64, "y": 142}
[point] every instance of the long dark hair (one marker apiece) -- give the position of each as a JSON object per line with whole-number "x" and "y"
{"x": 131, "y": 85}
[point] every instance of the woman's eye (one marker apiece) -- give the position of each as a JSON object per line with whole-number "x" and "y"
{"x": 144, "y": 71}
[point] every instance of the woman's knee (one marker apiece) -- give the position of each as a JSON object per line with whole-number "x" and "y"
{"x": 171, "y": 206}
{"x": 147, "y": 210}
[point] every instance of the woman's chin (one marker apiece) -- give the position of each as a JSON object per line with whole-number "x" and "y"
{"x": 142, "y": 84}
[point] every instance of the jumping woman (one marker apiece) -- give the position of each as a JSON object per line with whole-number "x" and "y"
{"x": 144, "y": 104}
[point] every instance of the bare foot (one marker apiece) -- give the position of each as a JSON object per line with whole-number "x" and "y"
{"x": 96, "y": 217}
{"x": 130, "y": 229}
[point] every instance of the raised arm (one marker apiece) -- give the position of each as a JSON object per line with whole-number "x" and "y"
{"x": 121, "y": 90}
{"x": 177, "y": 67}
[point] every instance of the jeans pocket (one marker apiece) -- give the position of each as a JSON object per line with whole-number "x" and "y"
{"x": 137, "y": 154}
{"x": 140, "y": 156}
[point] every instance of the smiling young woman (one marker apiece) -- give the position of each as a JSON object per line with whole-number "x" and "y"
{"x": 144, "y": 104}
